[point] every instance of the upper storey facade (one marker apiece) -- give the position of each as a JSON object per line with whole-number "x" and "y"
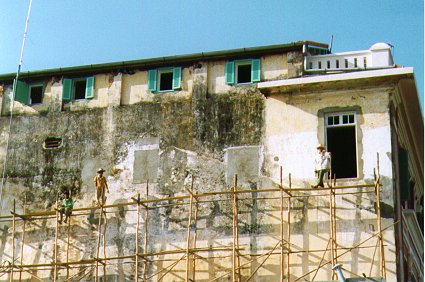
{"x": 126, "y": 83}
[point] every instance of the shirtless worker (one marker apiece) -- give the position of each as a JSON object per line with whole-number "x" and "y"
{"x": 101, "y": 184}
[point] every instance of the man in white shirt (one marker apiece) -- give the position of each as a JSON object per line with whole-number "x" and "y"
{"x": 322, "y": 165}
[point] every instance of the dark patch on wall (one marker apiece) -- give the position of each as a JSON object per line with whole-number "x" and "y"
{"x": 231, "y": 120}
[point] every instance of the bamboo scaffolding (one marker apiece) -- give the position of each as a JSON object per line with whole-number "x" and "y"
{"x": 288, "y": 236}
{"x": 282, "y": 269}
{"x": 145, "y": 244}
{"x": 55, "y": 246}
{"x": 99, "y": 231}
{"x": 136, "y": 257}
{"x": 22, "y": 238}
{"x": 67, "y": 247}
{"x": 378, "y": 218}
{"x": 13, "y": 241}
{"x": 195, "y": 237}
{"x": 236, "y": 261}
{"x": 190, "y": 253}
{"x": 104, "y": 244}
{"x": 347, "y": 251}
{"x": 188, "y": 235}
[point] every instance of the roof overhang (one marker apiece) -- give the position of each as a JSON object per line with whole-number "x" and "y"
{"x": 335, "y": 81}
{"x": 144, "y": 64}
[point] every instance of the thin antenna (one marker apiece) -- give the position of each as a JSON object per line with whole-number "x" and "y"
{"x": 330, "y": 44}
{"x": 15, "y": 83}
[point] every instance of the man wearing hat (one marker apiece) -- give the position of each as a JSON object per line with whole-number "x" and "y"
{"x": 101, "y": 184}
{"x": 322, "y": 165}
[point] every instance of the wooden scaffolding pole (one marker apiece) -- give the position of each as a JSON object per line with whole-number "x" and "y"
{"x": 55, "y": 250}
{"x": 188, "y": 232}
{"x": 288, "y": 219}
{"x": 13, "y": 241}
{"x": 235, "y": 252}
{"x": 67, "y": 247}
{"x": 104, "y": 245}
{"x": 382, "y": 267}
{"x": 22, "y": 238}
{"x": 145, "y": 245}
{"x": 136, "y": 251}
{"x": 331, "y": 231}
{"x": 99, "y": 231}
{"x": 195, "y": 237}
{"x": 282, "y": 269}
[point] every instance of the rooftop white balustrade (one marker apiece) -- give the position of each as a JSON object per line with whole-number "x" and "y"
{"x": 378, "y": 56}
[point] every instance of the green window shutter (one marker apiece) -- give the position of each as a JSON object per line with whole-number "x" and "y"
{"x": 89, "y": 87}
{"x": 66, "y": 89}
{"x": 255, "y": 70}
{"x": 230, "y": 73}
{"x": 177, "y": 77}
{"x": 152, "y": 80}
{"x": 22, "y": 93}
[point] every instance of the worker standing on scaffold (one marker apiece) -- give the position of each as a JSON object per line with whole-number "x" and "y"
{"x": 322, "y": 165}
{"x": 101, "y": 185}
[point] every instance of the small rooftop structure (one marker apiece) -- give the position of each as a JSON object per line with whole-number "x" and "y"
{"x": 377, "y": 56}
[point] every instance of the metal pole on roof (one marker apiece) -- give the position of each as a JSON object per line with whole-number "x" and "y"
{"x": 15, "y": 82}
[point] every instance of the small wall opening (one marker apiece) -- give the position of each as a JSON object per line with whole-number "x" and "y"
{"x": 52, "y": 143}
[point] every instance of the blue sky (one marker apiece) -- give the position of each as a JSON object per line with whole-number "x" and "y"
{"x": 80, "y": 32}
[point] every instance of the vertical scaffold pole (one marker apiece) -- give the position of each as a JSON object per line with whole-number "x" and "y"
{"x": 104, "y": 245}
{"x": 136, "y": 252}
{"x": 195, "y": 237}
{"x": 13, "y": 241}
{"x": 145, "y": 245}
{"x": 99, "y": 231}
{"x": 378, "y": 215}
{"x": 288, "y": 272}
{"x": 23, "y": 237}
{"x": 55, "y": 272}
{"x": 281, "y": 226}
{"x": 188, "y": 233}
{"x": 235, "y": 255}
{"x": 67, "y": 248}
{"x": 331, "y": 230}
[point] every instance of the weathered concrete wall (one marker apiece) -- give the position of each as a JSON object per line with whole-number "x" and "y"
{"x": 210, "y": 131}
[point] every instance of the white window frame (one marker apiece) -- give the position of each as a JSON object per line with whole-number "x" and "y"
{"x": 237, "y": 65}
{"x": 341, "y": 116}
{"x": 161, "y": 72}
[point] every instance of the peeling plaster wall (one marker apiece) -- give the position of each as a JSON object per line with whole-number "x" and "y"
{"x": 205, "y": 133}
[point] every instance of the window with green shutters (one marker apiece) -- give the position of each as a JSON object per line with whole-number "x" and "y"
{"x": 164, "y": 79}
{"x": 29, "y": 94}
{"x": 77, "y": 88}
{"x": 243, "y": 71}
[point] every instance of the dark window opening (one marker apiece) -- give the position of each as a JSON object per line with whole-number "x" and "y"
{"x": 355, "y": 62}
{"x": 341, "y": 143}
{"x": 311, "y": 65}
{"x": 166, "y": 81}
{"x": 328, "y": 64}
{"x": 337, "y": 64}
{"x": 364, "y": 62}
{"x": 36, "y": 94}
{"x": 244, "y": 73}
{"x": 80, "y": 89}
{"x": 346, "y": 63}
{"x": 52, "y": 143}
{"x": 320, "y": 65}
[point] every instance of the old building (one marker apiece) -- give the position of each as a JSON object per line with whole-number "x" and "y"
{"x": 209, "y": 159}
